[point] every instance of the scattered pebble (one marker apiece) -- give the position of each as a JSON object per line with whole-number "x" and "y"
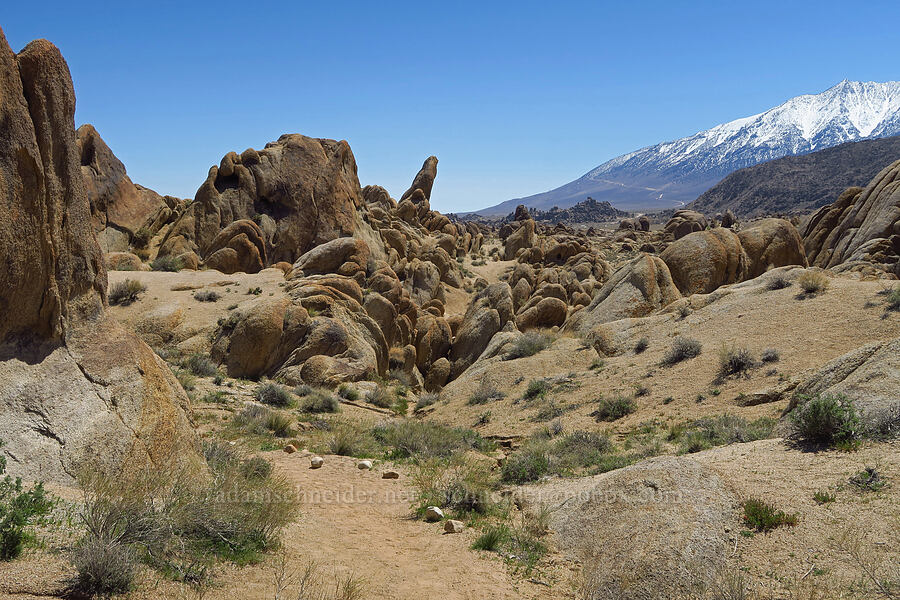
{"x": 451, "y": 526}
{"x": 364, "y": 465}
{"x": 390, "y": 475}
{"x": 290, "y": 449}
{"x": 433, "y": 513}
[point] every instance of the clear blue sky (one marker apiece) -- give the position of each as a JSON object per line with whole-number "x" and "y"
{"x": 514, "y": 99}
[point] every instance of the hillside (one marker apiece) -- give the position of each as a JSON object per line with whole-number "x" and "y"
{"x": 799, "y": 184}
{"x": 676, "y": 172}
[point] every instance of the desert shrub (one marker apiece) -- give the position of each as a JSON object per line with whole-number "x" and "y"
{"x": 348, "y": 392}
{"x": 254, "y": 291}
{"x": 826, "y": 419}
{"x": 548, "y": 410}
{"x": 611, "y": 409}
{"x": 425, "y": 439}
{"x": 868, "y": 480}
{"x": 720, "y": 430}
{"x": 528, "y": 344}
{"x": 201, "y": 365}
{"x": 303, "y": 390}
{"x": 580, "y": 449}
{"x": 259, "y": 420}
{"x": 735, "y": 361}
{"x": 883, "y": 423}
{"x": 126, "y": 292}
{"x": 770, "y": 355}
{"x": 20, "y": 510}
{"x": 492, "y": 538}
{"x": 426, "y": 400}
{"x": 762, "y": 516}
{"x": 273, "y": 394}
{"x": 186, "y": 379}
{"x": 458, "y": 483}
{"x": 486, "y": 392}
{"x": 822, "y": 497}
{"x": 170, "y": 518}
{"x": 893, "y": 299}
{"x": 537, "y": 388}
{"x": 167, "y": 263}
{"x": 778, "y": 282}
{"x": 682, "y": 348}
{"x": 214, "y": 397}
{"x": 220, "y": 455}
{"x": 812, "y": 282}
{"x": 206, "y": 296}
{"x": 382, "y": 397}
{"x": 528, "y": 464}
{"x": 104, "y": 566}
{"x": 346, "y": 438}
{"x": 641, "y": 345}
{"x": 141, "y": 237}
{"x": 319, "y": 401}
{"x": 256, "y": 467}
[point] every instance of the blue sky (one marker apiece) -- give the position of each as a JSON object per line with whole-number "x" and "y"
{"x": 513, "y": 98}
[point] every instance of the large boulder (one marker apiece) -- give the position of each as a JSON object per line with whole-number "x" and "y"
{"x": 238, "y": 248}
{"x": 702, "y": 261}
{"x": 522, "y": 238}
{"x": 548, "y": 312}
{"x": 637, "y": 289}
{"x": 771, "y": 243}
{"x": 663, "y": 523}
{"x": 77, "y": 391}
{"x": 489, "y": 311}
{"x": 850, "y": 229}
{"x": 685, "y": 222}
{"x": 302, "y": 191}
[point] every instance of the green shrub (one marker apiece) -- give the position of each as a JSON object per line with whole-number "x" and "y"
{"x": 720, "y": 430}
{"x": 486, "y": 392}
{"x": 186, "y": 379}
{"x": 536, "y": 388}
{"x": 528, "y": 344}
{"x": 259, "y": 420}
{"x": 826, "y": 419}
{"x": 458, "y": 483}
{"x": 770, "y": 355}
{"x": 580, "y": 449}
{"x": 347, "y": 438}
{"x": 382, "y": 397}
{"x": 201, "y": 365}
{"x": 126, "y": 292}
{"x": 256, "y": 467}
{"x": 778, "y": 282}
{"x": 167, "y": 263}
{"x": 105, "y": 566}
{"x": 254, "y": 291}
{"x": 823, "y": 497}
{"x": 761, "y": 516}
{"x": 20, "y": 509}
{"x": 425, "y": 439}
{"x": 548, "y": 410}
{"x": 529, "y": 464}
{"x": 682, "y": 348}
{"x": 303, "y": 390}
{"x": 893, "y": 299}
{"x": 735, "y": 361}
{"x": 492, "y": 538}
{"x": 611, "y": 409}
{"x": 206, "y": 296}
{"x": 868, "y": 480}
{"x": 348, "y": 392}
{"x": 320, "y": 401}
{"x": 273, "y": 394}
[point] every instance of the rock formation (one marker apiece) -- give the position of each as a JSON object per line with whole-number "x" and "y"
{"x": 76, "y": 390}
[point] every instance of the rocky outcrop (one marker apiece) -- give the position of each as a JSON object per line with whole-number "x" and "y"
{"x": 300, "y": 191}
{"x": 861, "y": 228}
{"x": 684, "y": 222}
{"x": 424, "y": 180}
{"x": 489, "y": 311}
{"x": 238, "y": 247}
{"x": 76, "y": 390}
{"x": 639, "y": 288}
{"x": 702, "y": 261}
{"x": 521, "y": 238}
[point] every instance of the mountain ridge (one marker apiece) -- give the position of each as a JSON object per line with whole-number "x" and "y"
{"x": 673, "y": 173}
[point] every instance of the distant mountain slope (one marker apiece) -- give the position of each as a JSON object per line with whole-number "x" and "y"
{"x": 675, "y": 173}
{"x": 799, "y": 184}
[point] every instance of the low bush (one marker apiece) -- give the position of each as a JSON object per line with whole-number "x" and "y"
{"x": 528, "y": 344}
{"x": 458, "y": 483}
{"x": 682, "y": 348}
{"x": 735, "y": 362}
{"x": 167, "y": 263}
{"x": 126, "y": 292}
{"x": 425, "y": 439}
{"x": 823, "y": 497}
{"x": 770, "y": 355}
{"x": 320, "y": 401}
{"x": 141, "y": 237}
{"x": 206, "y": 296}
{"x": 868, "y": 480}
{"x": 720, "y": 430}
{"x": 537, "y": 388}
{"x": 20, "y": 510}
{"x": 348, "y": 392}
{"x": 346, "y": 438}
{"x": 260, "y": 420}
{"x": 826, "y": 419}
{"x": 761, "y": 516}
{"x": 382, "y": 397}
{"x": 486, "y": 392}
{"x": 528, "y": 464}
{"x": 273, "y": 394}
{"x": 201, "y": 365}
{"x": 611, "y": 409}
{"x": 426, "y": 400}
{"x": 186, "y": 379}
{"x": 492, "y": 538}
{"x": 778, "y": 282}
{"x": 893, "y": 299}
{"x": 812, "y": 282}
{"x": 641, "y": 345}
{"x": 104, "y": 566}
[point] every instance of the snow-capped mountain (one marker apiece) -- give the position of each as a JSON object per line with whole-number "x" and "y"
{"x": 674, "y": 173}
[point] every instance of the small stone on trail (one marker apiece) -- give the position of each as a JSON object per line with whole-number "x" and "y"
{"x": 364, "y": 465}
{"x": 433, "y": 513}
{"x": 451, "y": 526}
{"x": 316, "y": 461}
{"x": 390, "y": 475}
{"x": 290, "y": 449}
